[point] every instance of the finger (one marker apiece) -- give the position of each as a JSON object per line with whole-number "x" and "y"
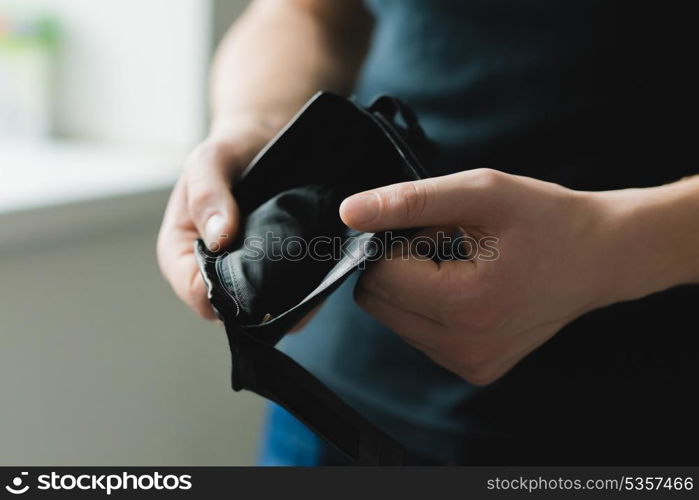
{"x": 446, "y": 362}
{"x": 466, "y": 197}
{"x": 210, "y": 203}
{"x": 436, "y": 243}
{"x": 484, "y": 360}
{"x": 175, "y": 252}
{"x": 420, "y": 331}
{"x": 477, "y": 376}
{"x": 459, "y": 359}
{"x": 415, "y": 283}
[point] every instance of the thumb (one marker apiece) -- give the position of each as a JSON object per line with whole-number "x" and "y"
{"x": 450, "y": 200}
{"x": 210, "y": 203}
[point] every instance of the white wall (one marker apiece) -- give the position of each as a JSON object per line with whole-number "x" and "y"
{"x": 130, "y": 71}
{"x": 100, "y": 363}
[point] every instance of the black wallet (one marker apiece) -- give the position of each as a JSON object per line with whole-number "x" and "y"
{"x": 269, "y": 278}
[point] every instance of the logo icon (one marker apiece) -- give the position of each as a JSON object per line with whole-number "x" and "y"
{"x": 16, "y": 488}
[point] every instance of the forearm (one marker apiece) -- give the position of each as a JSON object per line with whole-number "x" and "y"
{"x": 654, "y": 238}
{"x": 279, "y": 53}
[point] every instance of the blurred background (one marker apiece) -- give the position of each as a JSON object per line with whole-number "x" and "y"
{"x": 99, "y": 362}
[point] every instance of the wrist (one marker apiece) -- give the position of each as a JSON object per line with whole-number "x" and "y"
{"x": 241, "y": 136}
{"x": 647, "y": 240}
{"x": 249, "y": 123}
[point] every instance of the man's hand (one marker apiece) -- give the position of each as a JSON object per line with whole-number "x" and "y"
{"x": 201, "y": 206}
{"x": 276, "y": 56}
{"x": 560, "y": 253}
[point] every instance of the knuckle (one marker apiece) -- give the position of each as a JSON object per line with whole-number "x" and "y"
{"x": 208, "y": 151}
{"x": 478, "y": 367}
{"x": 486, "y": 178}
{"x": 480, "y": 378}
{"x": 199, "y": 197}
{"x": 413, "y": 198}
{"x": 476, "y": 359}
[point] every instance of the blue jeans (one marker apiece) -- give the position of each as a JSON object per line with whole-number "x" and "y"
{"x": 287, "y": 442}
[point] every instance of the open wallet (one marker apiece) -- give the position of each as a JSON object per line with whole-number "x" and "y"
{"x": 265, "y": 283}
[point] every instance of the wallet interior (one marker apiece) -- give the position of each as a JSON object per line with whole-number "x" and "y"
{"x": 292, "y": 245}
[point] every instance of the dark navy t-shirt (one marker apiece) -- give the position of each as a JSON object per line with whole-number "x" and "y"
{"x": 591, "y": 95}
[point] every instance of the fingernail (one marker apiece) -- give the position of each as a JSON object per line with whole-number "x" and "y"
{"x": 360, "y": 208}
{"x": 213, "y": 230}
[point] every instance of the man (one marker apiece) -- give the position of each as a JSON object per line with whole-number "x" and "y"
{"x": 559, "y": 351}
